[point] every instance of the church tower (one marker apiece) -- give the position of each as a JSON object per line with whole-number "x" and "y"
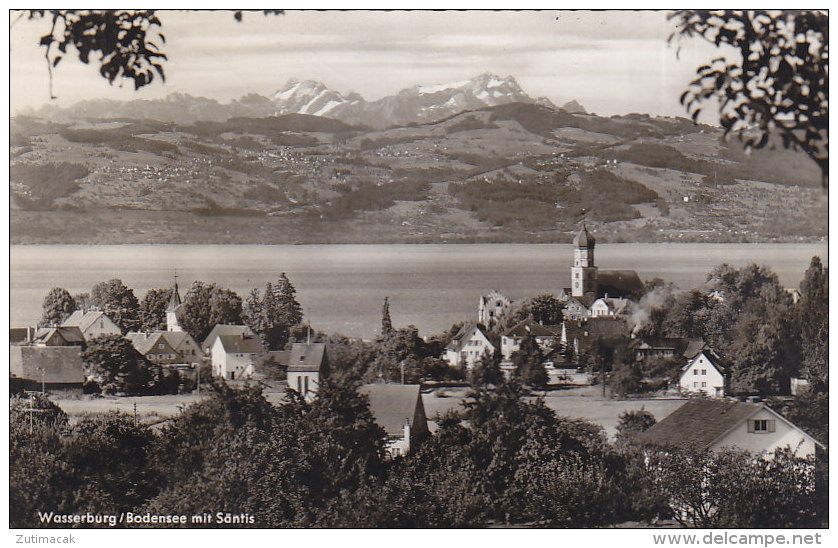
{"x": 172, "y": 323}
{"x": 583, "y": 273}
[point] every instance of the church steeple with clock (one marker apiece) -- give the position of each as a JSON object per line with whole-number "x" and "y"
{"x": 584, "y": 273}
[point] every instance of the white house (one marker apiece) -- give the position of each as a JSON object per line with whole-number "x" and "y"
{"x": 307, "y": 363}
{"x": 224, "y": 329}
{"x": 233, "y": 356}
{"x": 467, "y": 347}
{"x": 510, "y": 341}
{"x": 610, "y": 307}
{"x": 717, "y": 424}
{"x": 92, "y": 324}
{"x": 704, "y": 374}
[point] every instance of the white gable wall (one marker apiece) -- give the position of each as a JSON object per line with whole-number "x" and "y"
{"x": 102, "y": 326}
{"x": 702, "y": 376}
{"x": 783, "y": 434}
{"x": 230, "y": 365}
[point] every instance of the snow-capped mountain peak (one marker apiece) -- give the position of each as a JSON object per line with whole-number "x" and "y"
{"x": 420, "y": 103}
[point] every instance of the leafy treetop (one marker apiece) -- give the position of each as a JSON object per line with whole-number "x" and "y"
{"x": 779, "y": 82}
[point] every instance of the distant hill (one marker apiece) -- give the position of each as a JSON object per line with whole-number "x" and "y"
{"x": 521, "y": 171}
{"x": 417, "y": 104}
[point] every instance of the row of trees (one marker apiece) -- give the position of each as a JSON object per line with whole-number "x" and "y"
{"x": 272, "y": 316}
{"x": 503, "y": 458}
{"x": 750, "y": 319}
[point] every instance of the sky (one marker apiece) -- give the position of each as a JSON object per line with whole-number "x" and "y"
{"x": 611, "y": 62}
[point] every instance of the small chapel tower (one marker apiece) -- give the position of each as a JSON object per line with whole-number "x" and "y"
{"x": 584, "y": 272}
{"x": 172, "y": 323}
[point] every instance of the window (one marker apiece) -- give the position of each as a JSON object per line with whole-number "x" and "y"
{"x": 761, "y": 426}
{"x": 703, "y": 385}
{"x": 695, "y": 385}
{"x": 703, "y": 371}
{"x": 695, "y": 371}
{"x": 160, "y": 346}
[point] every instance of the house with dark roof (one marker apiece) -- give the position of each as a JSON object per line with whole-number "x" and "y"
{"x": 167, "y": 347}
{"x": 510, "y": 341}
{"x": 715, "y": 424}
{"x": 580, "y": 335}
{"x": 399, "y": 409}
{"x": 659, "y": 347}
{"x": 233, "y": 356}
{"x": 704, "y": 375}
{"x": 92, "y": 323}
{"x": 224, "y": 329}
{"x": 58, "y": 336}
{"x": 467, "y": 347}
{"x": 307, "y": 364}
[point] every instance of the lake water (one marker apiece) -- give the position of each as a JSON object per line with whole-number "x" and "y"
{"x": 342, "y": 287}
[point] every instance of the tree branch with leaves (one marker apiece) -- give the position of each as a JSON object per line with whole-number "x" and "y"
{"x": 778, "y": 84}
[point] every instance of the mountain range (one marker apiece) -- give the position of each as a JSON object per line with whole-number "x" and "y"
{"x": 417, "y": 104}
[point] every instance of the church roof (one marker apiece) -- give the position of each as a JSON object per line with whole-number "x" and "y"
{"x": 584, "y": 238}
{"x": 619, "y": 283}
{"x": 174, "y": 301}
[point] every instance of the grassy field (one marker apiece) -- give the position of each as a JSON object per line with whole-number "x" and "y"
{"x": 579, "y": 403}
{"x": 584, "y": 403}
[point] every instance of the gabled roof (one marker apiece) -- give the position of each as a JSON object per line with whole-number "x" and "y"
{"x": 144, "y": 342}
{"x": 393, "y": 404}
{"x": 585, "y": 301}
{"x": 711, "y": 357}
{"x": 464, "y": 334}
{"x": 307, "y": 356}
{"x": 59, "y": 336}
{"x": 699, "y": 423}
{"x": 225, "y": 329}
{"x": 702, "y": 422}
{"x": 178, "y": 338}
{"x": 84, "y": 320}
{"x": 660, "y": 343}
{"x": 694, "y": 346}
{"x": 526, "y": 327}
{"x": 240, "y": 344}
